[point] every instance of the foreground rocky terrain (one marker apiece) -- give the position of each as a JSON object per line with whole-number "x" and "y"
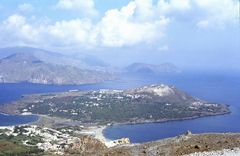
{"x": 154, "y": 103}
{"x": 181, "y": 145}
{"x": 224, "y": 152}
{"x": 35, "y": 140}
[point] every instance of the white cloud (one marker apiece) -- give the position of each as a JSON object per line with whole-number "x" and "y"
{"x": 70, "y": 33}
{"x": 25, "y": 7}
{"x": 85, "y": 7}
{"x": 165, "y": 7}
{"x": 122, "y": 27}
{"x": 16, "y": 29}
{"x": 205, "y": 13}
{"x": 145, "y": 9}
{"x": 118, "y": 27}
{"x": 217, "y": 13}
{"x": 139, "y": 22}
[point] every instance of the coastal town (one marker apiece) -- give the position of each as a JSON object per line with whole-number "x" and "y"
{"x": 57, "y": 141}
{"x": 34, "y": 140}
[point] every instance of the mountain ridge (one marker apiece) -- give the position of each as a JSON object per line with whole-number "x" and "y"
{"x": 25, "y": 67}
{"x": 79, "y": 59}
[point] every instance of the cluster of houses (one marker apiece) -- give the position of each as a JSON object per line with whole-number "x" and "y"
{"x": 50, "y": 139}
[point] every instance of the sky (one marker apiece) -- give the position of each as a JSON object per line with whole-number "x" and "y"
{"x": 192, "y": 34}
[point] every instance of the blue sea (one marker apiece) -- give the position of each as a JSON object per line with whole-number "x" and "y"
{"x": 218, "y": 87}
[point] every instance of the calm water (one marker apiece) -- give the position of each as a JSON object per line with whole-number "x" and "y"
{"x": 214, "y": 88}
{"x": 217, "y": 88}
{"x": 11, "y": 92}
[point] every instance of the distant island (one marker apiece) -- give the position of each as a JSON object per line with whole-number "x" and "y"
{"x": 154, "y": 103}
{"x": 78, "y": 59}
{"x": 34, "y": 65}
{"x": 144, "y": 68}
{"x": 26, "y": 67}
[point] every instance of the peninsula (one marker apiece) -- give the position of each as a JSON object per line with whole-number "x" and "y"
{"x": 153, "y": 103}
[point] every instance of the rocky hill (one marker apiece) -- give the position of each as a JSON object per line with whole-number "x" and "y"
{"x": 25, "y": 67}
{"x": 184, "y": 145}
{"x": 69, "y": 141}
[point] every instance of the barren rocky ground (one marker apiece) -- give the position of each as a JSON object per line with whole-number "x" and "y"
{"x": 178, "y": 146}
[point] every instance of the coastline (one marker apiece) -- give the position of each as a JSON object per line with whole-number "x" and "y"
{"x": 64, "y": 120}
{"x": 187, "y": 144}
{"x": 15, "y": 107}
{"x": 97, "y": 130}
{"x": 97, "y": 133}
{"x": 49, "y": 121}
{"x": 171, "y": 120}
{"x": 94, "y": 130}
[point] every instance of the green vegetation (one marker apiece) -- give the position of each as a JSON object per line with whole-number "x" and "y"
{"x": 13, "y": 145}
{"x": 9, "y": 147}
{"x": 2, "y": 131}
{"x": 123, "y": 106}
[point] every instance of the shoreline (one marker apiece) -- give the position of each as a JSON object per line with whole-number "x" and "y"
{"x": 94, "y": 130}
{"x": 97, "y": 133}
{"x": 42, "y": 119}
{"x": 170, "y": 120}
{"x": 41, "y": 116}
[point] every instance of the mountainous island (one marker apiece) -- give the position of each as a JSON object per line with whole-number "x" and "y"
{"x": 143, "y": 68}
{"x": 34, "y": 65}
{"x": 152, "y": 103}
{"x": 76, "y": 59}
{"x": 25, "y": 67}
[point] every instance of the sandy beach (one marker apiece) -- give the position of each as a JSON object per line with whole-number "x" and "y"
{"x": 97, "y": 132}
